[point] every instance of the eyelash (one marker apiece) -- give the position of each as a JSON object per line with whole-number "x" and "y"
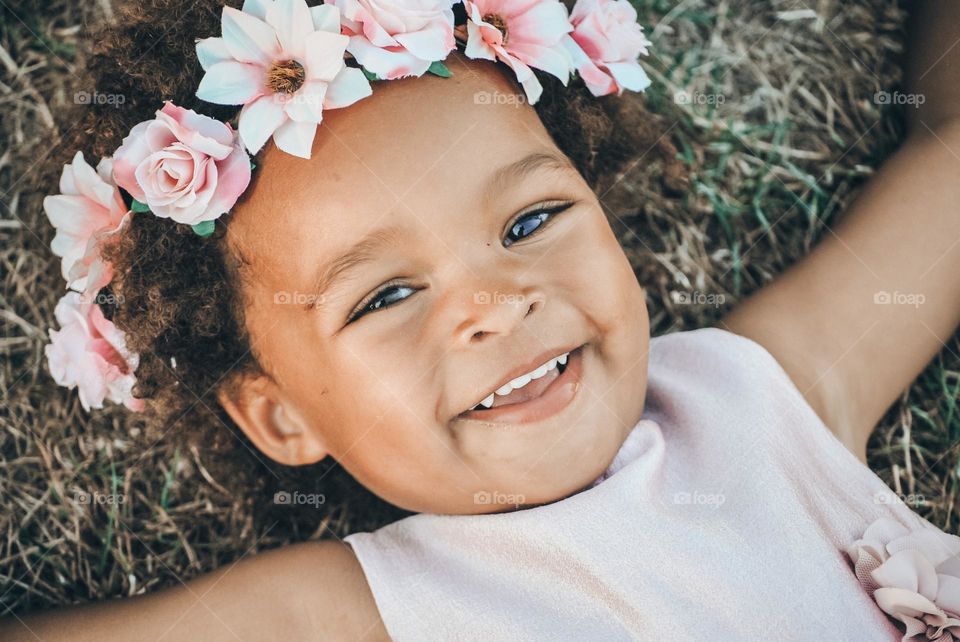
{"x": 363, "y": 308}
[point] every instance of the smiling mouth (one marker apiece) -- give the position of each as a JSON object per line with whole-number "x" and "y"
{"x": 534, "y": 395}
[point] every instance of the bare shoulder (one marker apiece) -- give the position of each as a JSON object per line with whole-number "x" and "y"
{"x": 341, "y": 604}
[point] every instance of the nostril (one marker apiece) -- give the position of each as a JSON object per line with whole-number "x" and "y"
{"x": 533, "y": 307}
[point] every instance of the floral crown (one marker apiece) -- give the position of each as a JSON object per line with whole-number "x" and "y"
{"x": 285, "y": 63}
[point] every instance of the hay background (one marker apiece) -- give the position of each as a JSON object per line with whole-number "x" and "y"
{"x": 796, "y": 135}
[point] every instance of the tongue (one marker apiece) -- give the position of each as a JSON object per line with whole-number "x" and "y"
{"x": 530, "y": 391}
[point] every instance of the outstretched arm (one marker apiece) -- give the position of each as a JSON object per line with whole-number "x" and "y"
{"x": 309, "y": 591}
{"x": 858, "y": 319}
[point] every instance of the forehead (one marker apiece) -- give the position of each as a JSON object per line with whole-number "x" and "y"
{"x": 416, "y": 144}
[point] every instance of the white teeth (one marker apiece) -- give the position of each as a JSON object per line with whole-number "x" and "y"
{"x": 523, "y": 380}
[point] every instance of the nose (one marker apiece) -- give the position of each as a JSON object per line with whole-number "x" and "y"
{"x": 488, "y": 313}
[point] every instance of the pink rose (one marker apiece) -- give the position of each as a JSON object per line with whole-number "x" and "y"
{"x": 185, "y": 166}
{"x": 88, "y": 210}
{"x": 394, "y": 39}
{"x": 89, "y": 353}
{"x": 914, "y": 576}
{"x": 605, "y": 44}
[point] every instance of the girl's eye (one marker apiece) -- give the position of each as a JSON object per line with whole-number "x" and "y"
{"x": 382, "y": 298}
{"x": 527, "y": 224}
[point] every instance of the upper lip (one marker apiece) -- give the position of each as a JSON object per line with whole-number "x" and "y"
{"x": 524, "y": 368}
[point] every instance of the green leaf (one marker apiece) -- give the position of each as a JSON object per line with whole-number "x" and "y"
{"x": 137, "y": 206}
{"x": 370, "y": 75}
{"x": 203, "y": 229}
{"x": 437, "y": 68}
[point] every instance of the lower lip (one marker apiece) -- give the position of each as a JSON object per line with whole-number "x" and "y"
{"x": 555, "y": 398}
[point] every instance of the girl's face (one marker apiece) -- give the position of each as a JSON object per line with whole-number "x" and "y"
{"x": 437, "y": 246}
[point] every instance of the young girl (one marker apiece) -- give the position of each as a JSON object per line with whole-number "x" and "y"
{"x": 425, "y": 288}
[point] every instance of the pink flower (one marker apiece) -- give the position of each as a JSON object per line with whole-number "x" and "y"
{"x": 397, "y": 38}
{"x": 284, "y": 62}
{"x": 87, "y": 211}
{"x": 89, "y": 353}
{"x": 185, "y": 166}
{"x": 522, "y": 34}
{"x": 605, "y": 44}
{"x": 914, "y": 576}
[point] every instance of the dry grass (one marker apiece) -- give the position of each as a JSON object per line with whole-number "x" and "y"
{"x": 796, "y": 134}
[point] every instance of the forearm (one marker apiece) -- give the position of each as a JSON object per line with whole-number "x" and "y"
{"x": 932, "y": 66}
{"x": 297, "y": 593}
{"x": 857, "y": 320}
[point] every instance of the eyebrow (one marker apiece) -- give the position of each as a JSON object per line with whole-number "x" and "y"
{"x": 368, "y": 248}
{"x": 518, "y": 170}
{"x": 364, "y": 251}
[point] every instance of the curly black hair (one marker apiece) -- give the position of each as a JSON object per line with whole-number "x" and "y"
{"x": 176, "y": 294}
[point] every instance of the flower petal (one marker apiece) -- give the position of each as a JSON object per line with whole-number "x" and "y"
{"x": 326, "y": 17}
{"x": 231, "y": 83}
{"x": 292, "y": 21}
{"x": 307, "y": 104}
{"x": 385, "y": 63}
{"x": 258, "y": 121}
{"x": 256, "y": 8}
{"x": 948, "y": 593}
{"x": 296, "y": 138}
{"x": 324, "y": 55}
{"x": 249, "y": 39}
{"x": 908, "y": 570}
{"x": 348, "y": 87}
{"x": 629, "y": 75}
{"x": 210, "y": 51}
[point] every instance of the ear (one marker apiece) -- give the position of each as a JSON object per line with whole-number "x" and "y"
{"x": 276, "y": 428}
